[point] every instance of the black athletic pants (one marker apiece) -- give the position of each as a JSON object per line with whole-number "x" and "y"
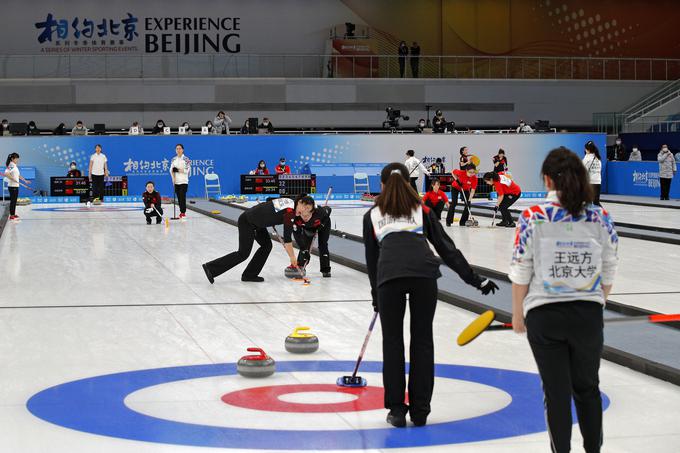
{"x": 304, "y": 238}
{"x": 504, "y": 207}
{"x": 566, "y": 339}
{"x": 153, "y": 214}
{"x": 13, "y": 196}
{"x": 596, "y": 193}
{"x": 415, "y": 63}
{"x": 452, "y": 207}
{"x": 392, "y": 306}
{"x": 181, "y": 191}
{"x": 247, "y": 235}
{"x": 414, "y": 183}
{"x": 665, "y": 188}
{"x": 98, "y": 187}
{"x": 438, "y": 209}
{"x": 402, "y": 66}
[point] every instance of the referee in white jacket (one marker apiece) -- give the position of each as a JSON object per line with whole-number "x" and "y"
{"x": 562, "y": 271}
{"x": 180, "y": 170}
{"x": 413, "y": 166}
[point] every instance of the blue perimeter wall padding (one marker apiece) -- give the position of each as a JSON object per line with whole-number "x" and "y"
{"x": 144, "y": 158}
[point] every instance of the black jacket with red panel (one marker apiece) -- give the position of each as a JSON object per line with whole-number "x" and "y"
{"x": 151, "y": 198}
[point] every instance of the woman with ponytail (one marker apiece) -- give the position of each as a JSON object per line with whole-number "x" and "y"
{"x": 562, "y": 271}
{"x": 13, "y": 178}
{"x": 593, "y": 163}
{"x": 400, "y": 262}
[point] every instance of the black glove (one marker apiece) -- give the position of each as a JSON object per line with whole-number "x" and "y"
{"x": 487, "y": 286}
{"x": 175, "y": 169}
{"x": 374, "y": 302}
{"x": 303, "y": 258}
{"x": 495, "y": 208}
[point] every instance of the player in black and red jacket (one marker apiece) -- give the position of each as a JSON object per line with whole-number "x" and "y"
{"x": 464, "y": 182}
{"x": 400, "y": 262}
{"x": 252, "y": 227}
{"x": 436, "y": 199}
{"x": 152, "y": 203}
{"x": 320, "y": 224}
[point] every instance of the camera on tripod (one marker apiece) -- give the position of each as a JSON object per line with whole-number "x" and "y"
{"x": 393, "y": 117}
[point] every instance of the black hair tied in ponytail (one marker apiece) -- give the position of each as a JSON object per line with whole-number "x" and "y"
{"x": 570, "y": 178}
{"x": 11, "y": 157}
{"x": 398, "y": 199}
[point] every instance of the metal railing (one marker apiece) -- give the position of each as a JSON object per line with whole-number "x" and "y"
{"x": 333, "y": 66}
{"x": 616, "y": 123}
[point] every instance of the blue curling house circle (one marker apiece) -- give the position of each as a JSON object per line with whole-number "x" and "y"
{"x": 96, "y": 405}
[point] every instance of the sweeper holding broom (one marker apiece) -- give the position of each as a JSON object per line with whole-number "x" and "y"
{"x": 400, "y": 262}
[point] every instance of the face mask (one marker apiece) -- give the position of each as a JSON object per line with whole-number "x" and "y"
{"x": 618, "y": 142}
{"x": 422, "y": 124}
{"x": 266, "y": 123}
{"x": 73, "y": 167}
{"x": 521, "y": 124}
{"x": 261, "y": 165}
{"x": 159, "y": 125}
{"x": 282, "y": 163}
{"x": 664, "y": 149}
{"x": 635, "y": 150}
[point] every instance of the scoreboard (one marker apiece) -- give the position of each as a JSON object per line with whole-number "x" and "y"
{"x": 278, "y": 184}
{"x": 81, "y": 187}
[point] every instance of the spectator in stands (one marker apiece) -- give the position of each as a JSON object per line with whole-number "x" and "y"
{"x": 73, "y": 171}
{"x": 593, "y": 163}
{"x": 465, "y": 158}
{"x": 419, "y": 128}
{"x": 524, "y": 128}
{"x": 222, "y": 122}
{"x": 211, "y": 129}
{"x": 266, "y": 124}
{"x": 635, "y": 155}
{"x": 4, "y": 128}
{"x": 158, "y": 128}
{"x": 245, "y": 129}
{"x": 438, "y": 167}
{"x": 667, "y": 169}
{"x": 438, "y": 122}
{"x": 282, "y": 168}
{"x": 618, "y": 151}
{"x": 60, "y": 130}
{"x": 415, "y": 59}
{"x": 262, "y": 168}
{"x": 500, "y": 162}
{"x": 79, "y": 129}
{"x": 138, "y": 131}
{"x": 32, "y": 129}
{"x": 403, "y": 53}
{"x": 677, "y": 157}
{"x": 187, "y": 128}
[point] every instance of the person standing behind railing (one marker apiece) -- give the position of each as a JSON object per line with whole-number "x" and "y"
{"x": 667, "y": 169}
{"x": 403, "y": 53}
{"x": 221, "y": 123}
{"x": 593, "y": 163}
{"x": 635, "y": 155}
{"x": 415, "y": 59}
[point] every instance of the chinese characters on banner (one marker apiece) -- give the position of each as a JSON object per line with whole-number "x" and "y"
{"x": 146, "y": 167}
{"x": 87, "y": 32}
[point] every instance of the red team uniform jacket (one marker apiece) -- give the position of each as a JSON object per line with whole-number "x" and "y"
{"x": 468, "y": 183}
{"x": 506, "y": 186}
{"x": 435, "y": 197}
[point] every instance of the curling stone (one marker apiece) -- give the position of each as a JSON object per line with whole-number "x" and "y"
{"x": 97, "y": 202}
{"x": 301, "y": 343}
{"x": 242, "y": 199}
{"x": 292, "y": 272}
{"x": 257, "y": 365}
{"x": 23, "y": 201}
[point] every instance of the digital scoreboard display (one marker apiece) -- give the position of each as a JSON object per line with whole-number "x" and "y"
{"x": 278, "y": 184}
{"x": 81, "y": 187}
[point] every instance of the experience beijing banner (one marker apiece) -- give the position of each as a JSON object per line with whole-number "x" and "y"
{"x": 148, "y": 157}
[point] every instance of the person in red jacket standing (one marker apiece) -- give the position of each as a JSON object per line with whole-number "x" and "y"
{"x": 436, "y": 199}
{"x": 282, "y": 168}
{"x": 465, "y": 181}
{"x": 508, "y": 193}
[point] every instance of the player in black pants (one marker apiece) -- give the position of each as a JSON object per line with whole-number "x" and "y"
{"x": 400, "y": 262}
{"x": 319, "y": 224}
{"x": 152, "y": 203}
{"x": 252, "y": 227}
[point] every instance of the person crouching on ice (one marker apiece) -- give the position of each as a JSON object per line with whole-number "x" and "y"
{"x": 152, "y": 203}
{"x": 252, "y": 227}
{"x": 436, "y": 199}
{"x": 319, "y": 224}
{"x": 508, "y": 193}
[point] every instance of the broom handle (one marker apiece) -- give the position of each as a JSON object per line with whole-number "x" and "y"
{"x": 363, "y": 347}
{"x": 643, "y": 318}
